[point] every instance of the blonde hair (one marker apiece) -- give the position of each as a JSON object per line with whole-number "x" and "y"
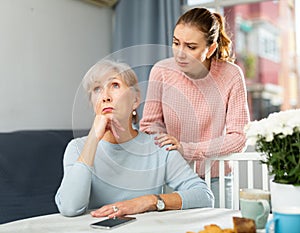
{"x": 105, "y": 67}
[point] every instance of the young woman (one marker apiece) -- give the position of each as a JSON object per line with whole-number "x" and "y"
{"x": 197, "y": 99}
{"x": 117, "y": 170}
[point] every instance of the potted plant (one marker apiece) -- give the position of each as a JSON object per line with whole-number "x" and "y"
{"x": 277, "y": 137}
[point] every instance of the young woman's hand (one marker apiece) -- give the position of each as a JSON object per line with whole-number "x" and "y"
{"x": 133, "y": 206}
{"x": 165, "y": 139}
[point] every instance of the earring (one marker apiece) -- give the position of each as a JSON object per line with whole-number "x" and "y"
{"x": 134, "y": 113}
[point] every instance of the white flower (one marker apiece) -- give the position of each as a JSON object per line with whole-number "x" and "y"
{"x": 277, "y": 137}
{"x": 279, "y": 123}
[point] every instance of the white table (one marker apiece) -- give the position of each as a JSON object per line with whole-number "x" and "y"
{"x": 153, "y": 222}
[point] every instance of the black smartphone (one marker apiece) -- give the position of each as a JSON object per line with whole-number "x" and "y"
{"x": 112, "y": 222}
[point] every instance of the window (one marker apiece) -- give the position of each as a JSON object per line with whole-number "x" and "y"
{"x": 268, "y": 45}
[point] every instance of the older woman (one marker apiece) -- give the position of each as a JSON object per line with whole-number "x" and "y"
{"x": 117, "y": 168}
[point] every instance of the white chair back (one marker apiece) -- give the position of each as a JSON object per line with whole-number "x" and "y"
{"x": 235, "y": 159}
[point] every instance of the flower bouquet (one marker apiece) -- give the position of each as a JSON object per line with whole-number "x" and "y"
{"x": 278, "y": 137}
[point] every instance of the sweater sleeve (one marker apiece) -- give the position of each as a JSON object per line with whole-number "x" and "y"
{"x": 193, "y": 190}
{"x": 72, "y": 197}
{"x": 153, "y": 121}
{"x": 234, "y": 139}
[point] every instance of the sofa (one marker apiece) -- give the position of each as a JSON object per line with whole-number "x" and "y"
{"x": 31, "y": 170}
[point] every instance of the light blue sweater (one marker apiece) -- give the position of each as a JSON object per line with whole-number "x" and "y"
{"x": 125, "y": 171}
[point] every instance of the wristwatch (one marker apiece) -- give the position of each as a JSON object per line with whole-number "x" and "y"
{"x": 160, "y": 204}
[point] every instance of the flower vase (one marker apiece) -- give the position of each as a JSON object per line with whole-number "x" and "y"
{"x": 285, "y": 196}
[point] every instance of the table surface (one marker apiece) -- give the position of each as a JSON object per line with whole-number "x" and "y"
{"x": 179, "y": 221}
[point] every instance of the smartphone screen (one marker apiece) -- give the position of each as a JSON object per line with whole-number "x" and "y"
{"x": 112, "y": 222}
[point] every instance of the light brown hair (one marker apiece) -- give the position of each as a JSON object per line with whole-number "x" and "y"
{"x": 213, "y": 26}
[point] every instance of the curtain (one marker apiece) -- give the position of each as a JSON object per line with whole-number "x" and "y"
{"x": 145, "y": 22}
{"x": 143, "y": 32}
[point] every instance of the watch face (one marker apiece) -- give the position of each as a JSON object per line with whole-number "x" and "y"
{"x": 160, "y": 205}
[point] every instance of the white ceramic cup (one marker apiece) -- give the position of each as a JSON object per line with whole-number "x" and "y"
{"x": 255, "y": 204}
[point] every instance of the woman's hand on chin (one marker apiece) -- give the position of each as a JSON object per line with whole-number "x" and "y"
{"x": 104, "y": 123}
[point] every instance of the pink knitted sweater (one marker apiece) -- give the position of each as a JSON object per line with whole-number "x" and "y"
{"x": 206, "y": 115}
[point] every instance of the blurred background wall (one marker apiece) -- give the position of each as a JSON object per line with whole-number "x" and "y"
{"x": 46, "y": 46}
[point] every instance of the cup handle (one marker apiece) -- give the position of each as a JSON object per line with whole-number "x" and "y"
{"x": 266, "y": 210}
{"x": 269, "y": 223}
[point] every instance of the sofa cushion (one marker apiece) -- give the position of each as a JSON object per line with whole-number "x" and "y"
{"x": 31, "y": 170}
